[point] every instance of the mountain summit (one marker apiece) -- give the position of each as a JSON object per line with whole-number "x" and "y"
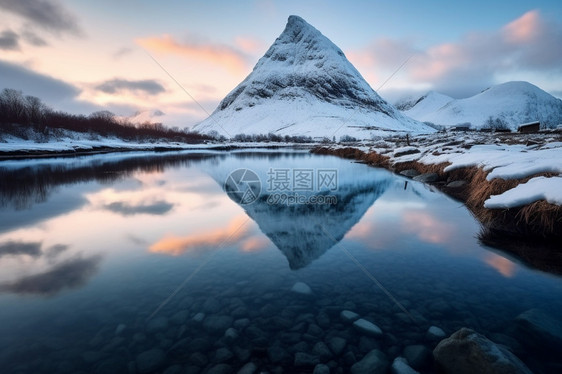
{"x": 304, "y": 85}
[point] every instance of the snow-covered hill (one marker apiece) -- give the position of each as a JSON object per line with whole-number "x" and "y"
{"x": 428, "y": 103}
{"x": 509, "y": 104}
{"x": 304, "y": 85}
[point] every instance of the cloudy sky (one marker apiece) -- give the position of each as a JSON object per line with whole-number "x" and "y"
{"x": 182, "y": 57}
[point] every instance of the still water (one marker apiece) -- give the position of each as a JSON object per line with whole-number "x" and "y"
{"x": 142, "y": 263}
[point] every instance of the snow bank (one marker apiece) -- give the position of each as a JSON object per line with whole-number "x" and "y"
{"x": 540, "y": 188}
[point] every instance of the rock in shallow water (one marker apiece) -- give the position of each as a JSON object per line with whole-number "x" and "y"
{"x": 537, "y": 329}
{"x": 321, "y": 369}
{"x": 348, "y": 316}
{"x": 417, "y": 356}
{"x": 337, "y": 345}
{"x": 304, "y": 359}
{"x": 435, "y": 333}
{"x": 249, "y": 368}
{"x": 301, "y": 288}
{"x": 374, "y": 362}
{"x": 400, "y": 366}
{"x": 467, "y": 352}
{"x": 367, "y": 328}
{"x": 199, "y": 317}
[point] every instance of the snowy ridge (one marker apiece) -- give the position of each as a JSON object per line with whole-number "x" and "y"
{"x": 304, "y": 85}
{"x": 513, "y": 103}
{"x": 428, "y": 103}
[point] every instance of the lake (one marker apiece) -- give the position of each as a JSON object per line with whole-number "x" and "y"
{"x": 211, "y": 262}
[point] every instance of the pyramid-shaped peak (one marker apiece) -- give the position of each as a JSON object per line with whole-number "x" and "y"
{"x": 296, "y": 22}
{"x": 297, "y": 26}
{"x": 308, "y": 78}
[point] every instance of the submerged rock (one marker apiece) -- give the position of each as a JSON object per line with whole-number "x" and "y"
{"x": 348, "y": 316}
{"x": 321, "y": 369}
{"x": 199, "y": 317}
{"x": 467, "y": 352}
{"x": 538, "y": 329}
{"x": 374, "y": 362}
{"x": 435, "y": 333}
{"x": 249, "y": 368}
{"x": 400, "y": 366}
{"x": 367, "y": 328}
{"x": 418, "y": 356}
{"x": 301, "y": 288}
{"x": 337, "y": 345}
{"x": 305, "y": 359}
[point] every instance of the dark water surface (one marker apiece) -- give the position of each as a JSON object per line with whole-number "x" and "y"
{"x": 141, "y": 263}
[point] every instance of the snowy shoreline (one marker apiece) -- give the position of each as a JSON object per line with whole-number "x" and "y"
{"x": 29, "y": 150}
{"x": 511, "y": 182}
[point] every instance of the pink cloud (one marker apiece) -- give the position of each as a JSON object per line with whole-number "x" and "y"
{"x": 502, "y": 265}
{"x": 427, "y": 227}
{"x": 222, "y": 55}
{"x": 248, "y": 44}
{"x": 524, "y": 29}
{"x": 212, "y": 239}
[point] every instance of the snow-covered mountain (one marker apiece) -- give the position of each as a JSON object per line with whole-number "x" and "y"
{"x": 304, "y": 85}
{"x": 509, "y": 104}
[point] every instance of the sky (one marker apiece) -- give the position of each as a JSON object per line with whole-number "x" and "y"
{"x": 182, "y": 57}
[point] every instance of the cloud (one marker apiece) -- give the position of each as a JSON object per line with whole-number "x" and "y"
{"x": 464, "y": 67}
{"x": 427, "y": 228}
{"x": 248, "y": 44}
{"x": 70, "y": 274}
{"x": 222, "y": 55}
{"x": 156, "y": 208}
{"x": 55, "y": 251}
{"x": 33, "y": 38}
{"x": 501, "y": 264}
{"x": 122, "y": 52}
{"x": 9, "y": 40}
{"x": 148, "y": 86}
{"x": 47, "y": 14}
{"x": 213, "y": 239}
{"x": 13, "y": 248}
{"x": 31, "y": 83}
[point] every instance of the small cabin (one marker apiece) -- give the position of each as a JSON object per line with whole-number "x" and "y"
{"x": 529, "y": 127}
